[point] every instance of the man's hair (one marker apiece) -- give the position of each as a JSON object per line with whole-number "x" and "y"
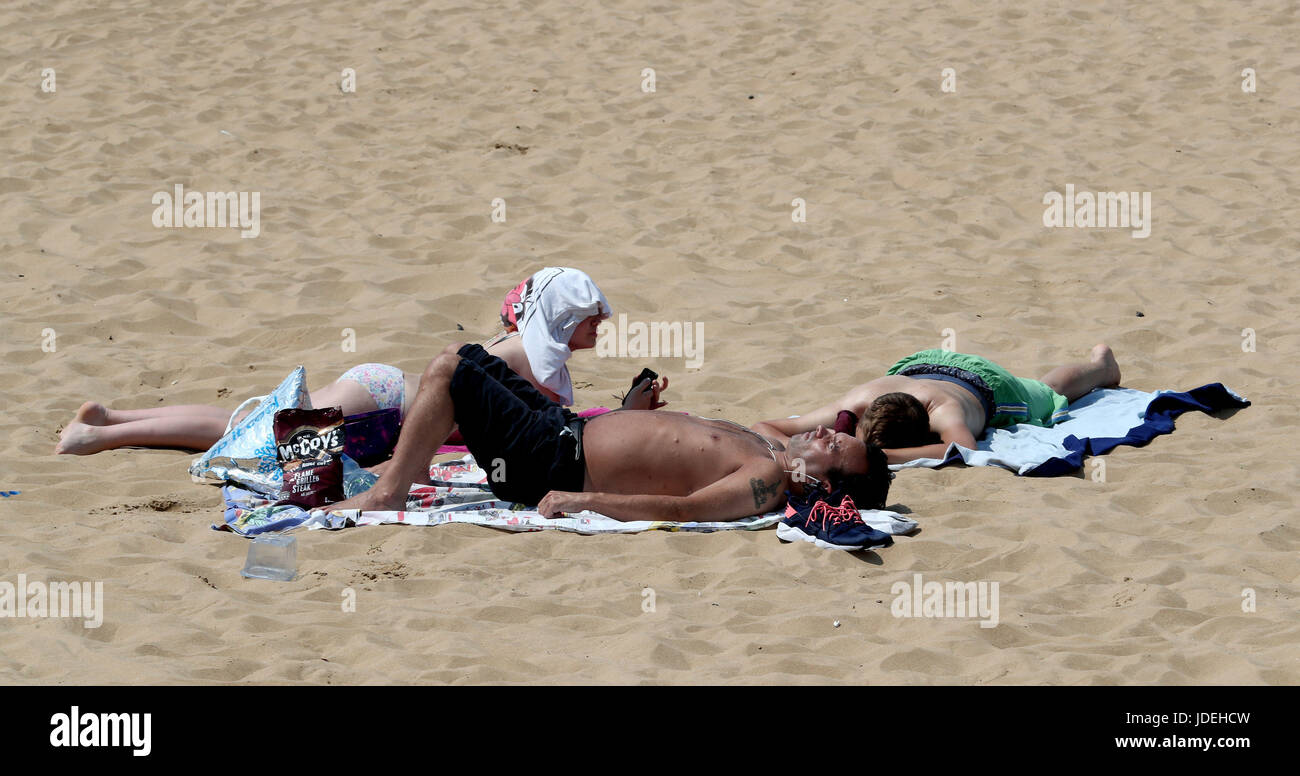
{"x": 896, "y": 420}
{"x": 870, "y": 490}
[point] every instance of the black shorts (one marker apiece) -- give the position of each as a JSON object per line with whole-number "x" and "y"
{"x": 528, "y": 444}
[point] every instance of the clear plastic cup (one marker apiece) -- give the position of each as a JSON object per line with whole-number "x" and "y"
{"x": 272, "y": 556}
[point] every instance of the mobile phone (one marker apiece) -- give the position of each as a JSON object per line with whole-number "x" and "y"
{"x": 645, "y": 373}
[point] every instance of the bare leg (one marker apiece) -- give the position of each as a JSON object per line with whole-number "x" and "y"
{"x": 96, "y": 414}
{"x": 1074, "y": 380}
{"x": 348, "y": 394}
{"x": 194, "y": 432}
{"x": 193, "y": 426}
{"x": 429, "y": 422}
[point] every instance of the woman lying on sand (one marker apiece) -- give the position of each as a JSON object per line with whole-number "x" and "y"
{"x": 934, "y": 398}
{"x": 546, "y": 318}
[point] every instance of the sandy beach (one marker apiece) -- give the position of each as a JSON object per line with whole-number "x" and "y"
{"x": 924, "y": 220}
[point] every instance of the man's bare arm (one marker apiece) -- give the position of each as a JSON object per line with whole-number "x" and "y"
{"x": 783, "y": 428}
{"x": 950, "y": 433}
{"x": 754, "y": 489}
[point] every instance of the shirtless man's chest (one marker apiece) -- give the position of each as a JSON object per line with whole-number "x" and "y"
{"x": 665, "y": 453}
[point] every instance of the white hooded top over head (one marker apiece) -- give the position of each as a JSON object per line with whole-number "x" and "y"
{"x": 555, "y": 302}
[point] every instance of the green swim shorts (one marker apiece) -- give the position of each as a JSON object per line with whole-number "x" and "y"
{"x": 1016, "y": 399}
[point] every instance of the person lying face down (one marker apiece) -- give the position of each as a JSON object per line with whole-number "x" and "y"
{"x": 626, "y": 464}
{"x": 934, "y": 398}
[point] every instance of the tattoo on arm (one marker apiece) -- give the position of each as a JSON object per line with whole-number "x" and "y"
{"x": 762, "y": 492}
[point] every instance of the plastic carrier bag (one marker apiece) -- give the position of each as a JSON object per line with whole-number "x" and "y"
{"x": 246, "y": 454}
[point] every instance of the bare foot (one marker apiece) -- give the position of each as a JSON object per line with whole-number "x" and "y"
{"x": 1102, "y": 354}
{"x": 79, "y": 439}
{"x": 370, "y": 501}
{"x": 92, "y": 413}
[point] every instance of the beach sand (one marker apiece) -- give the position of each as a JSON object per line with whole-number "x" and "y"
{"x": 924, "y": 213}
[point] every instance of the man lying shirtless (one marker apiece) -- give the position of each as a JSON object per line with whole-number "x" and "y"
{"x": 627, "y": 464}
{"x": 934, "y": 398}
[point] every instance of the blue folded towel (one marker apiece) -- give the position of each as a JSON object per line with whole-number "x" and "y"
{"x": 1097, "y": 424}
